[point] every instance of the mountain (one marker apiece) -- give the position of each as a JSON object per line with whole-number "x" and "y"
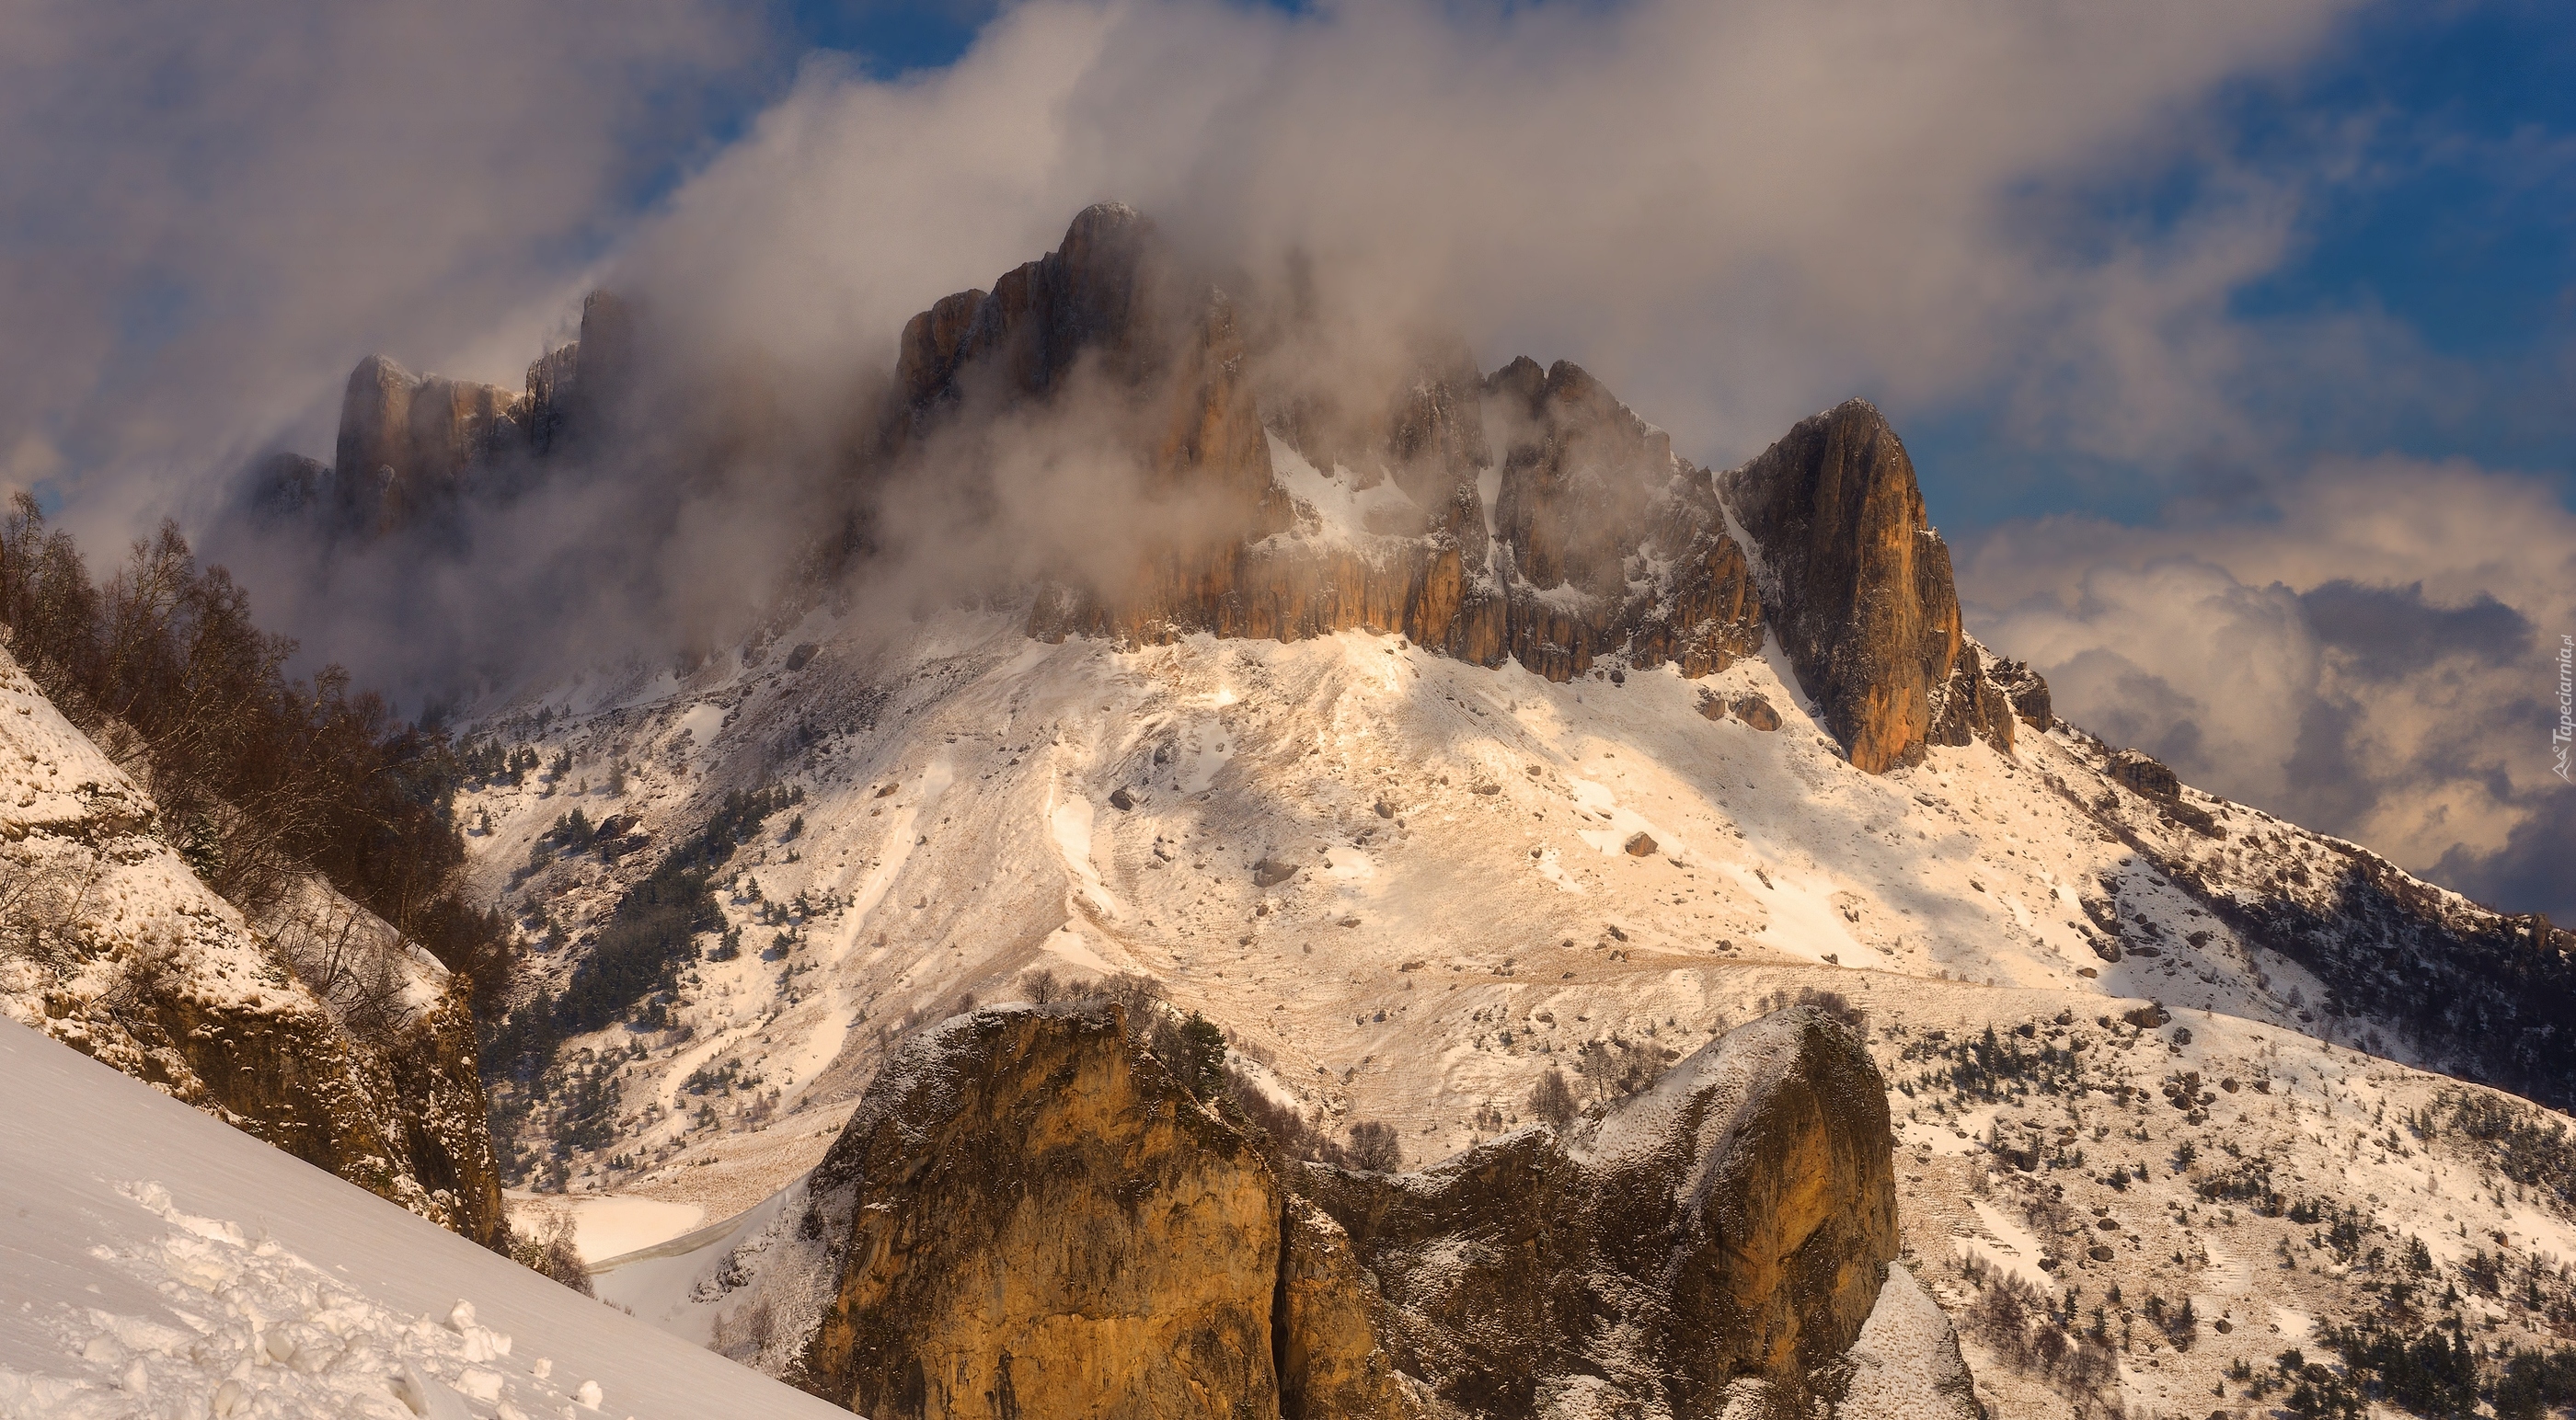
{"x": 1470, "y": 767}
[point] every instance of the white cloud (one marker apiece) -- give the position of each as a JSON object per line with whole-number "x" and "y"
{"x": 2369, "y": 655}
{"x": 210, "y": 212}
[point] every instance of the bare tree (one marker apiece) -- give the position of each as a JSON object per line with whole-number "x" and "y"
{"x": 1374, "y": 1147}
{"x": 1552, "y": 1099}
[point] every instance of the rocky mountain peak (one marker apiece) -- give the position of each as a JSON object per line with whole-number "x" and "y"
{"x": 1861, "y": 590}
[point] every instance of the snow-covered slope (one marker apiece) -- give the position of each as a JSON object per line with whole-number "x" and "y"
{"x": 1409, "y": 887}
{"x": 1467, "y": 900}
{"x": 156, "y": 1263}
{"x": 321, "y": 1030}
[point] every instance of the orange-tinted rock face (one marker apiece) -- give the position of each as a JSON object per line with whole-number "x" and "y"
{"x": 1602, "y": 543}
{"x": 1863, "y": 600}
{"x": 408, "y": 444}
{"x": 1031, "y": 1218}
{"x": 1028, "y": 1216}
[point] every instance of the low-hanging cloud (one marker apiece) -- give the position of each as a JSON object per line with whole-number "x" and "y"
{"x": 2371, "y": 656}
{"x": 1733, "y": 213}
{"x": 209, "y": 212}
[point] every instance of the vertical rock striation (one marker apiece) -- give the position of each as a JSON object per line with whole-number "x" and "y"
{"x": 1602, "y": 543}
{"x": 1861, "y": 591}
{"x": 1028, "y": 1216}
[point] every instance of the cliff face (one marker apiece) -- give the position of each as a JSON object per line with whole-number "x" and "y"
{"x": 1734, "y": 1223}
{"x": 1601, "y": 549}
{"x": 1045, "y": 1225}
{"x": 111, "y": 944}
{"x": 407, "y": 443}
{"x": 1037, "y": 1220}
{"x": 412, "y": 445}
{"x": 1028, "y": 1216}
{"x": 1862, "y": 596}
{"x": 1601, "y": 543}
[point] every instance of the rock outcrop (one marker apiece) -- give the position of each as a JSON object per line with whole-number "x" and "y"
{"x": 1035, "y": 1220}
{"x": 408, "y": 443}
{"x": 411, "y": 446}
{"x": 111, "y": 944}
{"x": 1861, "y": 592}
{"x": 1028, "y": 1215}
{"x": 1733, "y": 1224}
{"x": 1602, "y": 543}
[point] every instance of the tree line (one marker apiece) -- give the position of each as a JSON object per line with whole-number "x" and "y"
{"x": 261, "y": 777}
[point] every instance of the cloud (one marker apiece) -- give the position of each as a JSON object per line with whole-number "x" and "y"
{"x": 209, "y": 214}
{"x": 2368, "y": 654}
{"x": 1733, "y": 213}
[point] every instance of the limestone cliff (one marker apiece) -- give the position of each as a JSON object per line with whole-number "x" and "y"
{"x": 1601, "y": 544}
{"x": 1861, "y": 593}
{"x": 1028, "y": 1215}
{"x": 408, "y": 443}
{"x": 356, "y": 1056}
{"x": 1733, "y": 1224}
{"x": 411, "y": 446}
{"x": 1035, "y": 1220}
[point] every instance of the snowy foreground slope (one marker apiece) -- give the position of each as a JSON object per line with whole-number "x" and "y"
{"x": 156, "y": 1263}
{"x": 321, "y": 1029}
{"x": 1410, "y": 887}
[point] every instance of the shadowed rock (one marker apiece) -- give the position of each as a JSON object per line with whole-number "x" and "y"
{"x": 1029, "y": 1216}
{"x": 1735, "y": 1222}
{"x": 1861, "y": 592}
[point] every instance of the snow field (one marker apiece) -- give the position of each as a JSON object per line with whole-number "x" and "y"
{"x": 157, "y": 1263}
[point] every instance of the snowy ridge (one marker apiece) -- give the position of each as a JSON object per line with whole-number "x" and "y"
{"x": 157, "y": 1263}
{"x": 1404, "y": 885}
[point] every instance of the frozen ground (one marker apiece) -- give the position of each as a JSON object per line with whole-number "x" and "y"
{"x": 156, "y": 1263}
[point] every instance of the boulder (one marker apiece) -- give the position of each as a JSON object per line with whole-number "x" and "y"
{"x": 1034, "y": 1220}
{"x": 1756, "y": 711}
{"x": 1734, "y": 1223}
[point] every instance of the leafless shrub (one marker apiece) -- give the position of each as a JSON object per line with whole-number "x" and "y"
{"x": 2015, "y": 1322}
{"x": 1041, "y": 986}
{"x": 40, "y": 905}
{"x": 1374, "y": 1147}
{"x": 1832, "y": 1003}
{"x": 1138, "y": 995}
{"x": 349, "y": 958}
{"x": 1287, "y": 1134}
{"x": 548, "y": 1248}
{"x": 1552, "y": 1099}
{"x": 1618, "y": 1068}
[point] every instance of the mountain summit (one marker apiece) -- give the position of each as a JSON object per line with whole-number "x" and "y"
{"x": 1488, "y": 917}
